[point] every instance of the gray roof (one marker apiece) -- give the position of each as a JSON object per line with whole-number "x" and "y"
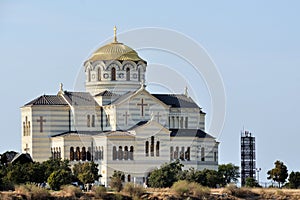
{"x": 177, "y": 100}
{"x": 48, "y": 100}
{"x": 79, "y": 133}
{"x": 190, "y": 133}
{"x": 22, "y": 158}
{"x": 80, "y": 98}
{"x": 94, "y": 133}
{"x": 141, "y": 123}
{"x": 106, "y": 93}
{"x": 123, "y": 97}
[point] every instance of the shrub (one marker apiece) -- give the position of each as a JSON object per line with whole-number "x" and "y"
{"x": 239, "y": 192}
{"x": 134, "y": 190}
{"x": 71, "y": 191}
{"x": 33, "y": 192}
{"x": 198, "y": 190}
{"x": 99, "y": 191}
{"x": 181, "y": 188}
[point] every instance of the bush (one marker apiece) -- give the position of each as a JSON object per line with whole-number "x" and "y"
{"x": 33, "y": 192}
{"x": 184, "y": 188}
{"x": 116, "y": 180}
{"x": 59, "y": 178}
{"x": 239, "y": 192}
{"x": 99, "y": 191}
{"x": 71, "y": 191}
{"x": 198, "y": 190}
{"x": 181, "y": 188}
{"x": 134, "y": 190}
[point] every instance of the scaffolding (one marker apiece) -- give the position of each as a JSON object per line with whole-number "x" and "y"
{"x": 247, "y": 156}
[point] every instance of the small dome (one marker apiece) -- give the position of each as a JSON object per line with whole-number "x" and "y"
{"x": 115, "y": 51}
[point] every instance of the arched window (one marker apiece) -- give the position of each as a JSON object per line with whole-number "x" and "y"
{"x": 147, "y": 148}
{"x": 88, "y": 154}
{"x": 96, "y": 156}
{"x": 114, "y": 153}
{"x": 173, "y": 122}
{"x": 126, "y": 153}
{"x": 71, "y": 153}
{"x": 128, "y": 178}
{"x": 120, "y": 153}
{"x": 24, "y": 129}
{"x": 28, "y": 131}
{"x": 176, "y": 153}
{"x": 77, "y": 154}
{"x": 157, "y": 148}
{"x": 113, "y": 74}
{"x": 127, "y": 74}
{"x": 54, "y": 152}
{"x": 59, "y": 153}
{"x": 88, "y": 120}
{"x": 83, "y": 154}
{"x": 188, "y": 153}
{"x": 93, "y": 120}
{"x": 182, "y": 153}
{"x": 99, "y": 74}
{"x": 131, "y": 153}
{"x": 171, "y": 153}
{"x": 202, "y": 154}
{"x": 152, "y": 146}
{"x": 181, "y": 122}
{"x": 186, "y": 122}
{"x": 107, "y": 120}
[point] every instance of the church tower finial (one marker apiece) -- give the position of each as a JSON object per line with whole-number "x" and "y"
{"x": 115, "y": 35}
{"x": 186, "y": 91}
{"x": 61, "y": 90}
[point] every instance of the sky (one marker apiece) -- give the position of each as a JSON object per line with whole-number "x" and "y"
{"x": 255, "y": 46}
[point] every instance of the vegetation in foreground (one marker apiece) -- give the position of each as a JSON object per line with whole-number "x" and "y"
{"x": 179, "y": 190}
{"x": 170, "y": 181}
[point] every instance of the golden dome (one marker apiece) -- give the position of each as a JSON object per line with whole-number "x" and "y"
{"x": 115, "y": 51}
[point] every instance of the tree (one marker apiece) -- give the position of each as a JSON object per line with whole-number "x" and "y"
{"x": 116, "y": 180}
{"x": 229, "y": 172}
{"x": 251, "y": 182}
{"x": 166, "y": 175}
{"x": 212, "y": 178}
{"x": 279, "y": 173}
{"x": 294, "y": 180}
{"x": 86, "y": 172}
{"x": 59, "y": 178}
{"x": 52, "y": 165}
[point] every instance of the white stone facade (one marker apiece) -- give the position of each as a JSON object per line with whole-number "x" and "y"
{"x": 117, "y": 123}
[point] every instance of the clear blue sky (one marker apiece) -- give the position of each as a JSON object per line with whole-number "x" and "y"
{"x": 255, "y": 45}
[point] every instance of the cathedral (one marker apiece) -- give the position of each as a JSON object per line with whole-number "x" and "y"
{"x": 116, "y": 122}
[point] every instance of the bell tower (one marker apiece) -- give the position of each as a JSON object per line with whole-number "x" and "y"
{"x": 114, "y": 67}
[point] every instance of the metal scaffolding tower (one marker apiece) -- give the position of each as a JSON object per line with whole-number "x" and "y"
{"x": 247, "y": 156}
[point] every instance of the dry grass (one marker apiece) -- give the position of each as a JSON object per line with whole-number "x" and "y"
{"x": 32, "y": 192}
{"x": 135, "y": 191}
{"x": 99, "y": 191}
{"x": 186, "y": 189}
{"x": 71, "y": 191}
